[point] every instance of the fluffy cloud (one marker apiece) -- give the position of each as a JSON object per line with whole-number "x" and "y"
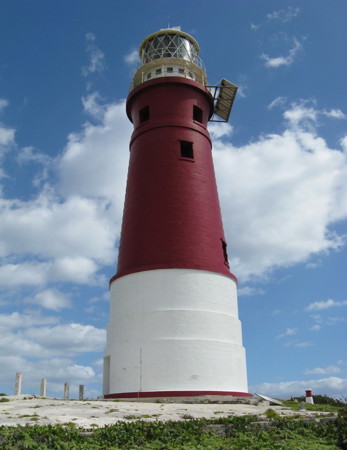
{"x": 283, "y": 60}
{"x": 51, "y": 299}
{"x": 132, "y": 58}
{"x": 323, "y": 370}
{"x": 39, "y": 347}
{"x": 22, "y": 336}
{"x": 56, "y": 371}
{"x": 16, "y": 320}
{"x": 94, "y": 162}
{"x": 96, "y": 56}
{"x": 318, "y": 306}
{"x": 3, "y": 104}
{"x": 281, "y": 194}
{"x": 284, "y": 15}
{"x": 332, "y": 386}
{"x": 288, "y": 332}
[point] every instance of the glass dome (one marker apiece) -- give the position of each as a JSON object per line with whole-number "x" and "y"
{"x": 169, "y": 44}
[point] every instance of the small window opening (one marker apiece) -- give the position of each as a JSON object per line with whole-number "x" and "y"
{"x": 149, "y": 75}
{"x": 197, "y": 114}
{"x": 144, "y": 114}
{"x": 169, "y": 69}
{"x": 181, "y": 70}
{"x": 158, "y": 71}
{"x": 225, "y": 253}
{"x": 187, "y": 149}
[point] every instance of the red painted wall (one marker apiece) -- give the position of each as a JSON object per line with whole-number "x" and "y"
{"x": 171, "y": 214}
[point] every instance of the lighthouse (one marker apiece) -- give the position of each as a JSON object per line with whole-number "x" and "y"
{"x": 173, "y": 329}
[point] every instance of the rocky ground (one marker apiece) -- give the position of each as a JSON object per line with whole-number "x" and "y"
{"x": 27, "y": 409}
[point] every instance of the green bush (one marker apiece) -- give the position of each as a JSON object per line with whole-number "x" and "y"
{"x": 322, "y": 400}
{"x": 239, "y": 433}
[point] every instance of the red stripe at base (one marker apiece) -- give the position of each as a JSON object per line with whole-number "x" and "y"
{"x": 175, "y": 394}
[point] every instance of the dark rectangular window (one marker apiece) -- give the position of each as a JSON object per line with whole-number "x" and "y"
{"x": 158, "y": 71}
{"x": 225, "y": 253}
{"x": 187, "y": 149}
{"x": 144, "y": 114}
{"x": 169, "y": 69}
{"x": 197, "y": 113}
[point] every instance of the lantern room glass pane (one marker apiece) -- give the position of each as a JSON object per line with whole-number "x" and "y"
{"x": 169, "y": 46}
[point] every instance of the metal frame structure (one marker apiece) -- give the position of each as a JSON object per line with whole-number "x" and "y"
{"x": 223, "y": 94}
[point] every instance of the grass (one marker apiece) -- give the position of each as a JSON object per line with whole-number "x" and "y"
{"x": 295, "y": 406}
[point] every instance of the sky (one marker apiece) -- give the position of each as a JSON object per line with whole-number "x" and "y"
{"x": 281, "y": 167}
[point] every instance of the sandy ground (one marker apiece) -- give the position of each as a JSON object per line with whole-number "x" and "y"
{"x": 25, "y": 409}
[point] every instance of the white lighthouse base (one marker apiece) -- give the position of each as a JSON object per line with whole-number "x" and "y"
{"x": 174, "y": 332}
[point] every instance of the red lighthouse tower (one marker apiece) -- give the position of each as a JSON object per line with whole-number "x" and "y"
{"x": 174, "y": 327}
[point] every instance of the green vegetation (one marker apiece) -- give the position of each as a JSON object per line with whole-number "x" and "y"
{"x": 268, "y": 431}
{"x": 321, "y": 403}
{"x": 222, "y": 433}
{"x": 271, "y": 414}
{"x": 4, "y": 399}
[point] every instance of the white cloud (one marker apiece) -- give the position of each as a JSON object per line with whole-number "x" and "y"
{"x": 315, "y": 327}
{"x": 132, "y": 58}
{"x": 51, "y": 227}
{"x": 19, "y": 320}
{"x": 335, "y": 114}
{"x": 331, "y": 386}
{"x": 284, "y": 15}
{"x": 51, "y": 299}
{"x": 335, "y": 320}
{"x": 96, "y": 57}
{"x": 288, "y": 332}
{"x": 38, "y": 347}
{"x": 278, "y": 101}
{"x": 254, "y": 27}
{"x": 56, "y": 371}
{"x": 280, "y": 195}
{"x": 3, "y": 104}
{"x": 94, "y": 162}
{"x": 23, "y": 336}
{"x": 283, "y": 60}
{"x": 323, "y": 370}
{"x": 92, "y": 105}
{"x": 77, "y": 270}
{"x": 318, "y": 306}
{"x": 305, "y": 113}
{"x": 343, "y": 143}
{"x": 248, "y": 291}
{"x": 70, "y": 339}
{"x": 6, "y": 137}
{"x": 303, "y": 344}
{"x": 218, "y": 130}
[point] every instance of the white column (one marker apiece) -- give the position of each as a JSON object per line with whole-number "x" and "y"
{"x": 43, "y": 387}
{"x": 66, "y": 390}
{"x": 81, "y": 392}
{"x": 18, "y": 384}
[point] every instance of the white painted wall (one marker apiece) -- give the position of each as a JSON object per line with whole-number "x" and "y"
{"x": 174, "y": 329}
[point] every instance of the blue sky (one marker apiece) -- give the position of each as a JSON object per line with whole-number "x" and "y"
{"x": 281, "y": 166}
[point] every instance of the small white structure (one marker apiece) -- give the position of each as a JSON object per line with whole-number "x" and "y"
{"x": 309, "y": 398}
